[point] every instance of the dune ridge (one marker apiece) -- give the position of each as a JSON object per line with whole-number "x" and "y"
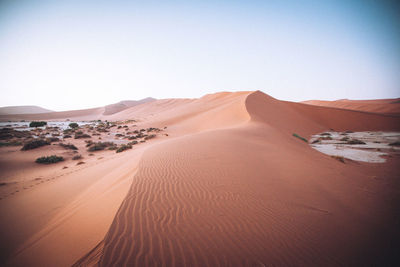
{"x": 383, "y": 106}
{"x": 248, "y": 193}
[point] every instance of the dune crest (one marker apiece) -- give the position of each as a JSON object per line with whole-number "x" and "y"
{"x": 249, "y": 193}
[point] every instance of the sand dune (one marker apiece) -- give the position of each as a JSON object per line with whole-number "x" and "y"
{"x": 22, "y": 110}
{"x": 230, "y": 186}
{"x": 385, "y": 106}
{"x": 248, "y": 195}
{"x": 78, "y": 115}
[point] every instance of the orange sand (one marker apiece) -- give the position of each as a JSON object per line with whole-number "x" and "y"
{"x": 229, "y": 186}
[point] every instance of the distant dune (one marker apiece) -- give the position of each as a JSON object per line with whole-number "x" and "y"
{"x": 385, "y": 106}
{"x": 122, "y": 105}
{"x": 22, "y": 110}
{"x": 83, "y": 114}
{"x": 227, "y": 184}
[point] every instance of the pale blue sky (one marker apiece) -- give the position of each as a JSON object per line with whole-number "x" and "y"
{"x": 80, "y": 54}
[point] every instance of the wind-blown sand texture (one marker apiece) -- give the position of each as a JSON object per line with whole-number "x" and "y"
{"x": 229, "y": 186}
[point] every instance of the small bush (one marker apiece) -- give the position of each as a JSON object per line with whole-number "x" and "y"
{"x": 355, "y": 142}
{"x": 100, "y": 146}
{"x": 339, "y": 158}
{"x": 150, "y": 137}
{"x": 301, "y": 138}
{"x": 80, "y": 163}
{"x": 344, "y": 139}
{"x": 325, "y": 138}
{"x": 11, "y": 143}
{"x": 325, "y": 134}
{"x": 52, "y": 139}
{"x": 79, "y": 135}
{"x": 395, "y": 144}
{"x": 133, "y": 143}
{"x": 67, "y": 136}
{"x": 315, "y": 141}
{"x": 69, "y": 146}
{"x": 123, "y": 148}
{"x": 73, "y": 125}
{"x": 37, "y": 123}
{"x": 76, "y": 157}
{"x": 35, "y": 144}
{"x": 49, "y": 159}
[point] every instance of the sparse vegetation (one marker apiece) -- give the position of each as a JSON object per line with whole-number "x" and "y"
{"x": 52, "y": 139}
{"x": 124, "y": 147}
{"x": 395, "y": 144}
{"x": 355, "y": 142}
{"x": 69, "y": 146}
{"x": 301, "y": 138}
{"x": 339, "y": 158}
{"x": 80, "y": 134}
{"x": 49, "y": 159}
{"x": 73, "y": 125}
{"x": 11, "y": 143}
{"x": 80, "y": 163}
{"x": 35, "y": 144}
{"x": 100, "y": 146}
{"x": 344, "y": 139}
{"x": 76, "y": 157}
{"x": 325, "y": 134}
{"x": 152, "y": 136}
{"x": 37, "y": 123}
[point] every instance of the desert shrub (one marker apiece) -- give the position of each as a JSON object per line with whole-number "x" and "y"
{"x": 119, "y": 135}
{"x": 151, "y": 129}
{"x": 67, "y": 136}
{"x": 37, "y": 123}
{"x": 100, "y": 146}
{"x": 119, "y": 127}
{"x": 395, "y": 144}
{"x": 52, "y": 139}
{"x": 355, "y": 142}
{"x": 35, "y": 144}
{"x": 132, "y": 137}
{"x": 123, "y": 147}
{"x": 76, "y": 157}
{"x": 301, "y": 138}
{"x": 69, "y": 146}
{"x": 325, "y": 134}
{"x": 150, "y": 137}
{"x": 89, "y": 143}
{"x": 11, "y": 143}
{"x": 133, "y": 143}
{"x": 339, "y": 158}
{"x": 79, "y": 135}
{"x": 73, "y": 125}
{"x": 8, "y": 133}
{"x": 325, "y": 138}
{"x": 67, "y": 131}
{"x": 315, "y": 141}
{"x": 80, "y": 163}
{"x": 344, "y": 139}
{"x": 49, "y": 159}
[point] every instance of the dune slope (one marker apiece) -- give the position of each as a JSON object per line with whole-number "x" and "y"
{"x": 384, "y": 106}
{"x": 249, "y": 193}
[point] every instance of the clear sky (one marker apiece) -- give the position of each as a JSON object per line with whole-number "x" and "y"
{"x": 78, "y": 54}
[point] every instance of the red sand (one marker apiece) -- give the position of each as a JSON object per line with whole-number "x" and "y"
{"x": 229, "y": 186}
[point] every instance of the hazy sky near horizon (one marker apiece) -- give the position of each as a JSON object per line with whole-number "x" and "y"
{"x": 78, "y": 54}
